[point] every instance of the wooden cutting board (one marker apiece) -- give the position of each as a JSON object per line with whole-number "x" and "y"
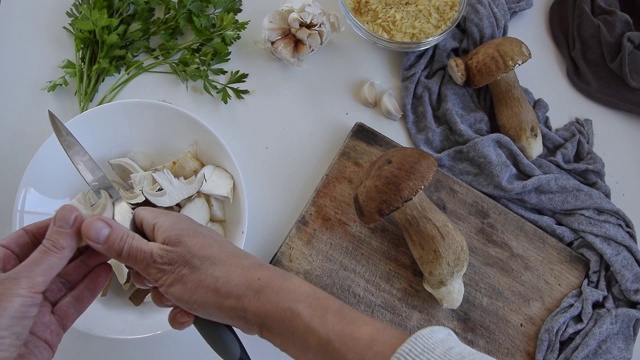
{"x": 517, "y": 274}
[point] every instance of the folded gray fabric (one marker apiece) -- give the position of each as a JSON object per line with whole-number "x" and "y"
{"x": 563, "y": 191}
{"x": 600, "y": 43}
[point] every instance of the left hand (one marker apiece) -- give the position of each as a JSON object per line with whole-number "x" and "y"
{"x": 47, "y": 283}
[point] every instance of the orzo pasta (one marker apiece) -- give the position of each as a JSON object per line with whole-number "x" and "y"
{"x": 405, "y": 20}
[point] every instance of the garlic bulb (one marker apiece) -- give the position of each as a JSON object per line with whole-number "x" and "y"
{"x": 297, "y": 29}
{"x": 389, "y": 106}
{"x": 368, "y": 94}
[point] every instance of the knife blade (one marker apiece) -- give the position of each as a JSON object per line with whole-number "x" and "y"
{"x": 91, "y": 172}
{"x": 221, "y": 338}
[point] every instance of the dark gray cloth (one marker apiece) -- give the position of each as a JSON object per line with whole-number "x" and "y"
{"x": 563, "y": 191}
{"x": 600, "y": 43}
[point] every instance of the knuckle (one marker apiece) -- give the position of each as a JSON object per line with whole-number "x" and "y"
{"x": 138, "y": 280}
{"x": 167, "y": 270}
{"x": 126, "y": 249}
{"x": 159, "y": 299}
{"x": 151, "y": 221}
{"x": 56, "y": 244}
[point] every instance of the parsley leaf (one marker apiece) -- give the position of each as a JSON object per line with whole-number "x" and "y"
{"x": 126, "y": 38}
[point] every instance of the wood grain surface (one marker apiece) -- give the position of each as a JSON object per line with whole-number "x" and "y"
{"x": 517, "y": 274}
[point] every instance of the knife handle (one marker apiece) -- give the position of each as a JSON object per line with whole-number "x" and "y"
{"x": 222, "y": 339}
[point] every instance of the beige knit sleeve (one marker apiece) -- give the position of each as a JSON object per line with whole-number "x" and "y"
{"x": 436, "y": 343}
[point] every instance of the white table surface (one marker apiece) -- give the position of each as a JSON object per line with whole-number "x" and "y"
{"x": 284, "y": 135}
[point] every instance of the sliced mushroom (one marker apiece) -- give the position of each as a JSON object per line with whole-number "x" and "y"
{"x": 186, "y": 166}
{"x": 173, "y": 190}
{"x": 128, "y": 170}
{"x": 197, "y": 208}
{"x": 143, "y": 159}
{"x": 138, "y": 181}
{"x": 123, "y": 168}
{"x": 216, "y": 208}
{"x": 142, "y": 180}
{"x": 216, "y": 226}
{"x": 120, "y": 185}
{"x": 89, "y": 204}
{"x": 217, "y": 181}
{"x": 140, "y": 296}
{"x": 122, "y": 273}
{"x": 132, "y": 196}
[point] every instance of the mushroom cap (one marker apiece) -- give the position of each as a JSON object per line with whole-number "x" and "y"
{"x": 489, "y": 61}
{"x": 391, "y": 180}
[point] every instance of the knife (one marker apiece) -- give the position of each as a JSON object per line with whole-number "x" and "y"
{"x": 221, "y": 338}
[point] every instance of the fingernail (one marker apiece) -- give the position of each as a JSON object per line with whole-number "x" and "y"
{"x": 65, "y": 217}
{"x": 182, "y": 317}
{"x": 97, "y": 231}
{"x": 166, "y": 301}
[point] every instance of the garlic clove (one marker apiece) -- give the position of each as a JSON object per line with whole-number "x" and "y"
{"x": 277, "y": 33}
{"x": 313, "y": 40}
{"x": 308, "y": 17}
{"x": 294, "y": 20}
{"x": 302, "y": 49}
{"x": 298, "y": 21}
{"x": 390, "y": 107}
{"x": 368, "y": 94}
{"x": 334, "y": 23}
{"x": 276, "y": 19}
{"x": 303, "y": 34}
{"x": 323, "y": 34}
{"x": 283, "y": 48}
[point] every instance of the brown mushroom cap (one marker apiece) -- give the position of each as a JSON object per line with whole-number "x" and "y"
{"x": 489, "y": 61}
{"x": 391, "y": 180}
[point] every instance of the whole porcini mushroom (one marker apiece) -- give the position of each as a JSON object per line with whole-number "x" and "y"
{"x": 392, "y": 186}
{"x": 493, "y": 64}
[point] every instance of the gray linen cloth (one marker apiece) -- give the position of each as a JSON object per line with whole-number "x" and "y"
{"x": 563, "y": 191}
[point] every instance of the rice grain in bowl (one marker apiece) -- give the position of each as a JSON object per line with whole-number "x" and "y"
{"x": 404, "y": 25}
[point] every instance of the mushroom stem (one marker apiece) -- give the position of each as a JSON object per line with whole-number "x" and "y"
{"x": 437, "y": 246}
{"x": 515, "y": 116}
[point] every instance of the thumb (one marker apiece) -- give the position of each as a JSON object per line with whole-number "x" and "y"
{"x": 57, "y": 248}
{"x": 115, "y": 241}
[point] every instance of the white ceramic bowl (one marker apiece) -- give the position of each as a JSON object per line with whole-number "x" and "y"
{"x": 396, "y": 45}
{"x": 113, "y": 130}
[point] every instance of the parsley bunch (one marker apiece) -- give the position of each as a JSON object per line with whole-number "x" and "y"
{"x": 188, "y": 38}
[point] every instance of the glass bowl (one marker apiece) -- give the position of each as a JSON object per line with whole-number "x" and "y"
{"x": 397, "y": 45}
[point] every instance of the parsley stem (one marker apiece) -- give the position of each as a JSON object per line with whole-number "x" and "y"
{"x": 126, "y": 38}
{"x": 124, "y": 80}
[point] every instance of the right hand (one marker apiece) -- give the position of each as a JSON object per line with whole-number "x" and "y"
{"x": 195, "y": 270}
{"x": 187, "y": 266}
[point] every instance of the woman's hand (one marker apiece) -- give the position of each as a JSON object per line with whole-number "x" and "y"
{"x": 46, "y": 284}
{"x": 187, "y": 266}
{"x": 197, "y": 271}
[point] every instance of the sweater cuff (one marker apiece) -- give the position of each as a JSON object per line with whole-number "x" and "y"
{"x": 436, "y": 343}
